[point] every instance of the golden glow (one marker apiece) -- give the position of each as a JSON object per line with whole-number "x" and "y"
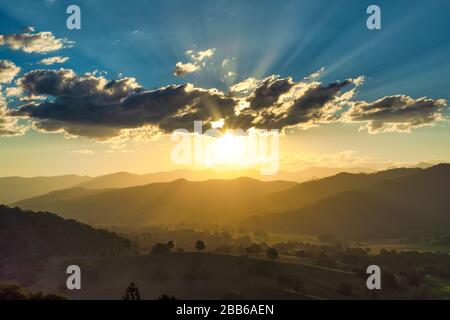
{"x": 226, "y": 150}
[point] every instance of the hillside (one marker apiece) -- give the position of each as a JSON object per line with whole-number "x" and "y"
{"x": 172, "y": 202}
{"x": 191, "y": 275}
{"x": 401, "y": 205}
{"x": 391, "y": 203}
{"x": 30, "y": 235}
{"x": 309, "y": 192}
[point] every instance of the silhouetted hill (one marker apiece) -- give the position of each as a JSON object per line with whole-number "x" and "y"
{"x": 36, "y": 236}
{"x": 400, "y": 204}
{"x": 390, "y": 203}
{"x": 169, "y": 202}
{"x": 311, "y": 191}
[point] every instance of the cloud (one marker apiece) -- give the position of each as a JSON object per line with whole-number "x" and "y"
{"x": 9, "y": 125}
{"x": 346, "y": 158}
{"x": 53, "y": 60}
{"x": 119, "y": 111}
{"x": 229, "y": 75}
{"x": 85, "y": 152}
{"x": 182, "y": 69}
{"x": 315, "y": 75}
{"x": 8, "y": 71}
{"x": 34, "y": 42}
{"x": 200, "y": 56}
{"x": 245, "y": 87}
{"x": 398, "y": 113}
{"x": 94, "y": 107}
{"x": 279, "y": 103}
{"x": 198, "y": 62}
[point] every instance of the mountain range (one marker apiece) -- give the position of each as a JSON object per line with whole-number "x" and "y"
{"x": 390, "y": 203}
{"x": 13, "y": 189}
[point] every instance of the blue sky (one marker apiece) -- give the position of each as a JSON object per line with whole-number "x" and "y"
{"x": 290, "y": 38}
{"x": 145, "y": 39}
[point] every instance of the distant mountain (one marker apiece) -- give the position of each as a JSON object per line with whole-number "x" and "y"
{"x": 124, "y": 179}
{"x": 314, "y": 173}
{"x": 390, "y": 203}
{"x": 29, "y": 235}
{"x": 164, "y": 202}
{"x": 393, "y": 203}
{"x": 13, "y": 189}
{"x": 309, "y": 192}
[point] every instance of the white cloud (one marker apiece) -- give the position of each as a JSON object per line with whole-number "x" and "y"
{"x": 8, "y": 71}
{"x": 9, "y": 126}
{"x": 200, "y": 56}
{"x": 53, "y": 60}
{"x": 184, "y": 68}
{"x": 29, "y": 42}
{"x": 198, "y": 62}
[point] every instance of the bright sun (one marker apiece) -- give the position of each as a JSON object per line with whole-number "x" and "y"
{"x": 227, "y": 150}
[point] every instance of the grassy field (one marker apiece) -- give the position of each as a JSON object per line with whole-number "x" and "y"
{"x": 197, "y": 276}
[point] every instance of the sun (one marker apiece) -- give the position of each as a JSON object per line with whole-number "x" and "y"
{"x": 226, "y": 150}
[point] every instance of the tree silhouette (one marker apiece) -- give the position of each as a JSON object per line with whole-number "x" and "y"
{"x": 272, "y": 254}
{"x": 132, "y": 293}
{"x": 200, "y": 245}
{"x": 160, "y": 248}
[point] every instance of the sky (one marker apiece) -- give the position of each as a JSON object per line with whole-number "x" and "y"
{"x": 107, "y": 97}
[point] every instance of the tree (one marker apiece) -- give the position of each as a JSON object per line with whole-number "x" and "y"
{"x": 160, "y": 248}
{"x": 132, "y": 293}
{"x": 170, "y": 245}
{"x": 200, "y": 245}
{"x": 272, "y": 254}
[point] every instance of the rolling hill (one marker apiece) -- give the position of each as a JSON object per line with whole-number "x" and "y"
{"x": 191, "y": 275}
{"x": 25, "y": 234}
{"x": 14, "y": 189}
{"x": 403, "y": 204}
{"x": 391, "y": 203}
{"x": 167, "y": 202}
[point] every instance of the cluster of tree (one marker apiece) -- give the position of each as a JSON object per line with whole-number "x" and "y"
{"x": 28, "y": 240}
{"x": 16, "y": 292}
{"x": 132, "y": 293}
{"x": 25, "y": 233}
{"x": 161, "y": 248}
{"x": 218, "y": 240}
{"x": 401, "y": 269}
